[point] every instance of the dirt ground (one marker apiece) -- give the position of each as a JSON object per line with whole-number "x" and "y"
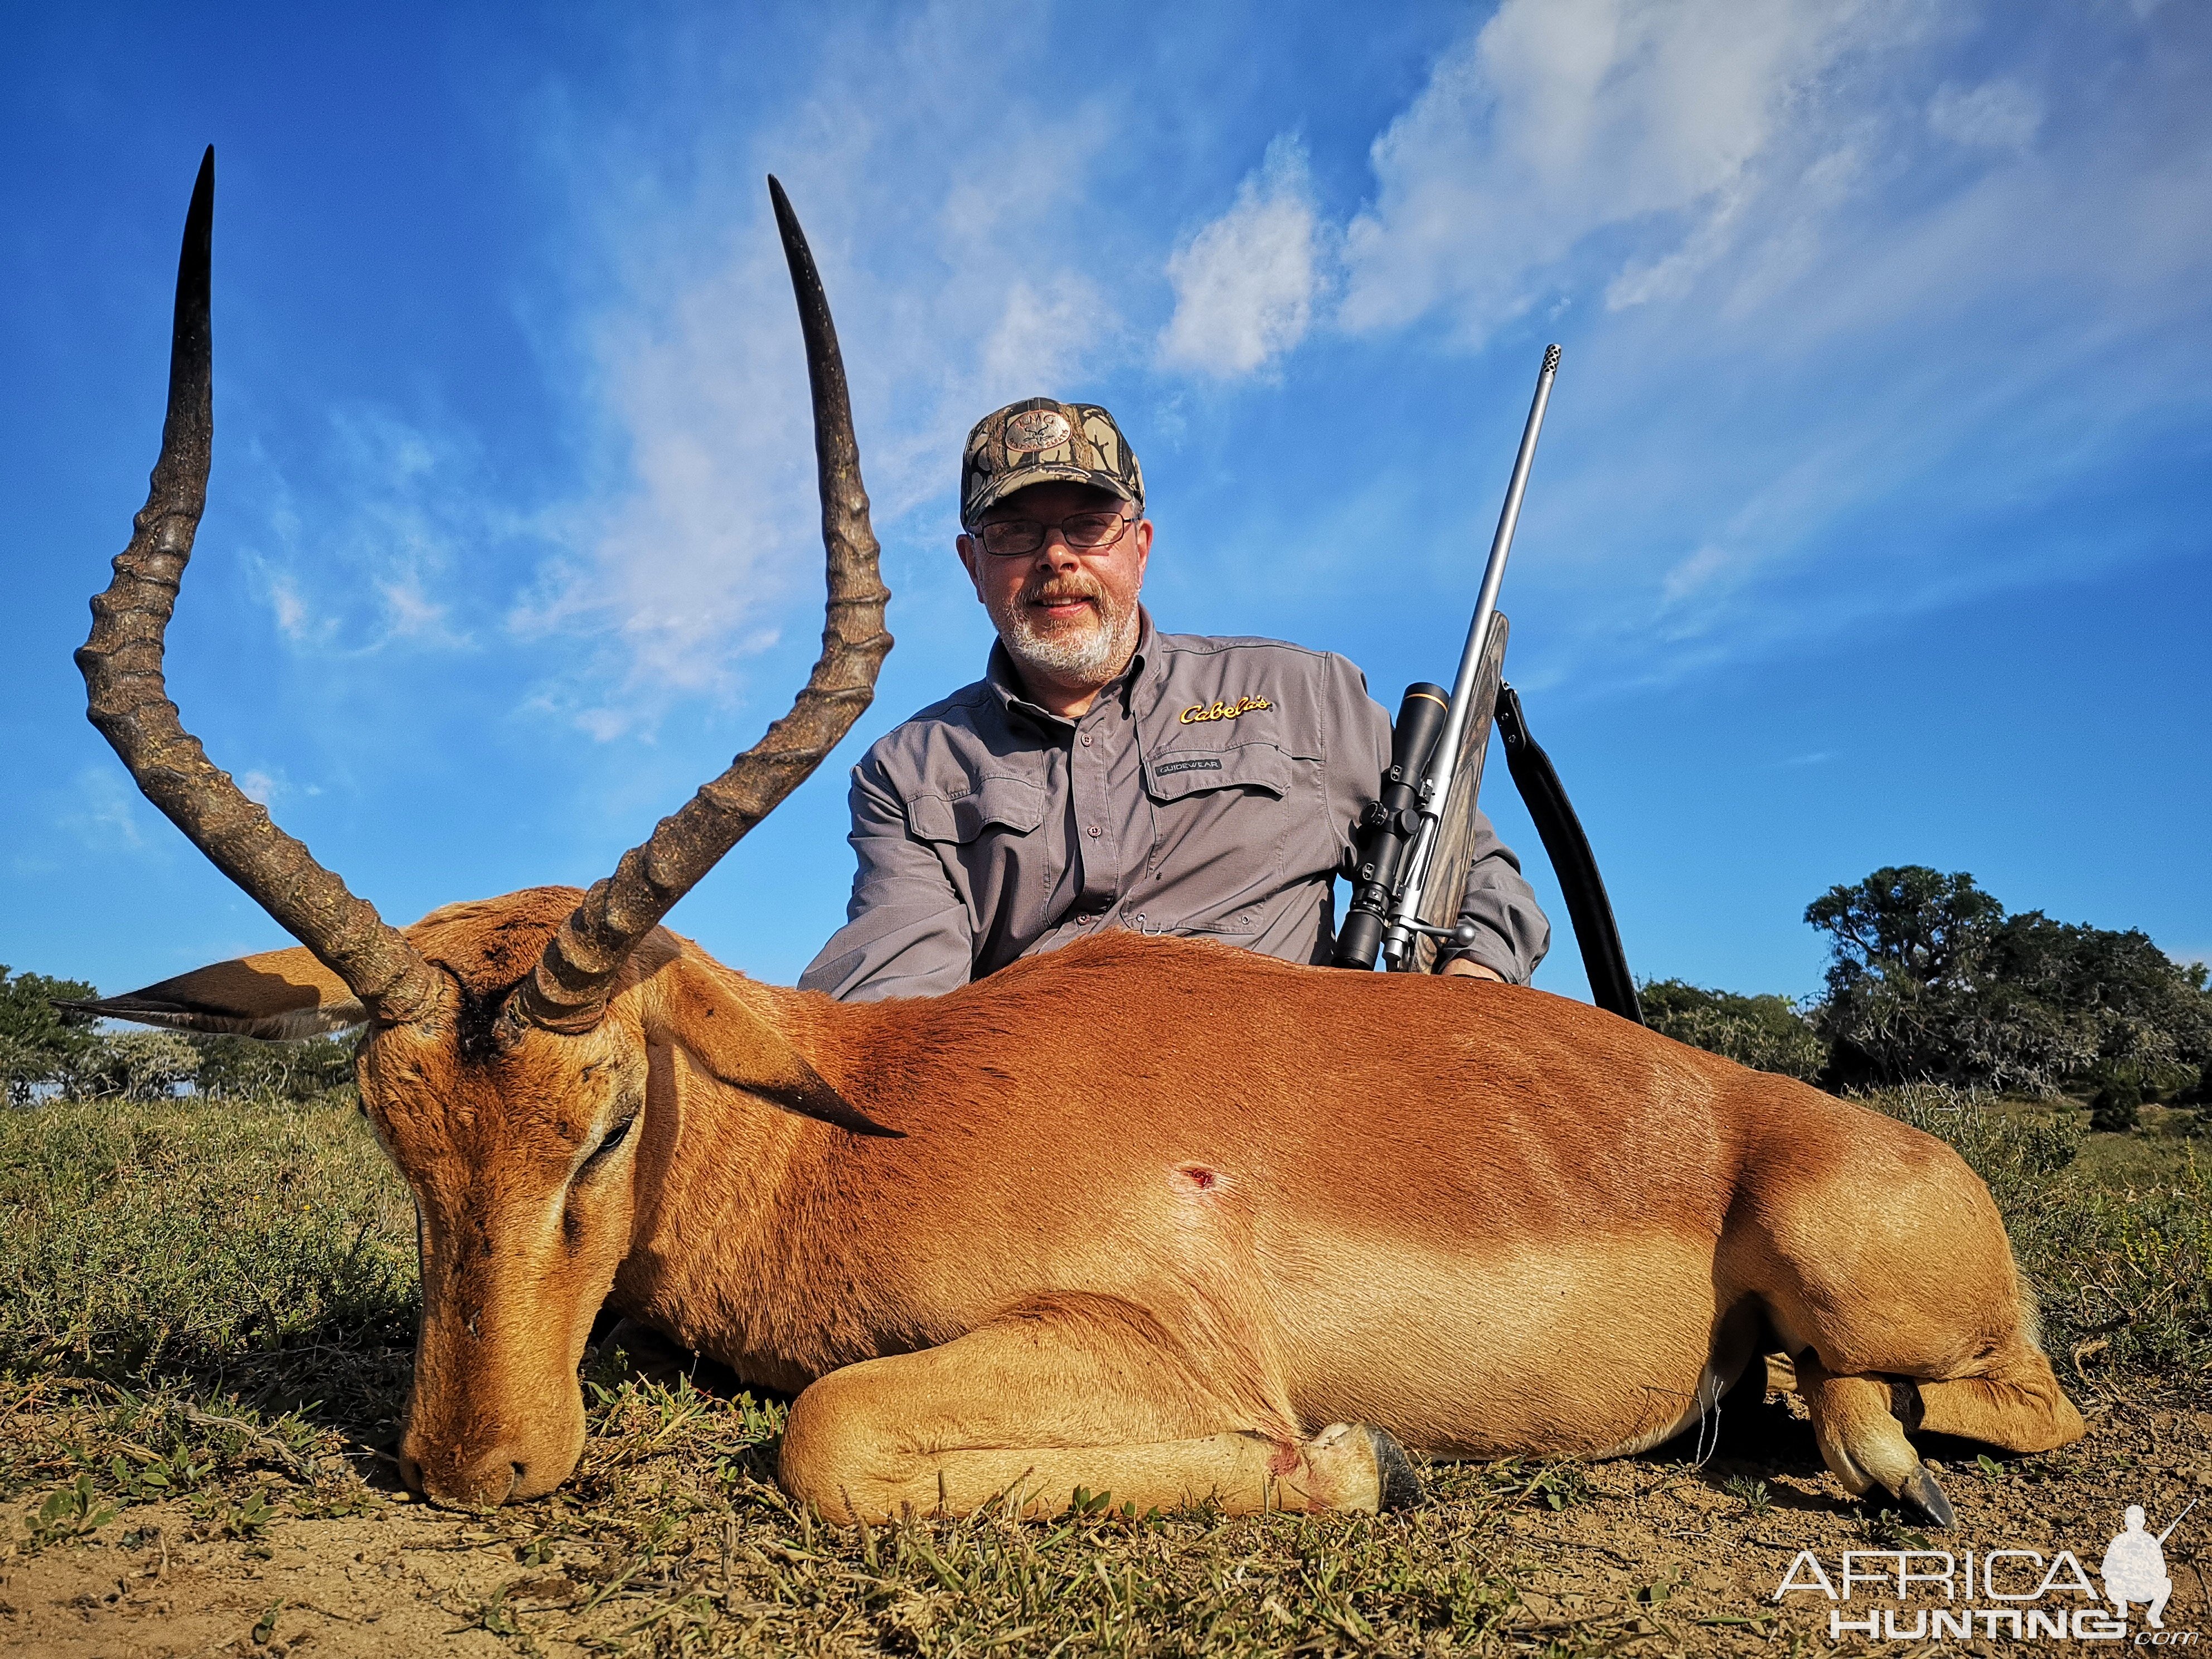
{"x": 1666, "y": 1556}
{"x": 1658, "y": 1555}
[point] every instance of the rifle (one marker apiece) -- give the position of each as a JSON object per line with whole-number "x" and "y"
{"x": 2178, "y": 1520}
{"x": 1425, "y": 799}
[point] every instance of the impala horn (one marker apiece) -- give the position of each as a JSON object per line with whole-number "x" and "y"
{"x": 127, "y": 700}
{"x": 568, "y": 988}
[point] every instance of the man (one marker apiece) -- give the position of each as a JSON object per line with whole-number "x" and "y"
{"x": 1104, "y": 775}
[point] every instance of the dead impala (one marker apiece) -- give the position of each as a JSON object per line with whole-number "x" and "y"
{"x": 1141, "y": 1215}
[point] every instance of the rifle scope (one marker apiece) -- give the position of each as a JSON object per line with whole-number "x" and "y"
{"x": 1390, "y": 823}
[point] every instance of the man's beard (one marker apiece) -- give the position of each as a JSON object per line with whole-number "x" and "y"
{"x": 1079, "y": 653}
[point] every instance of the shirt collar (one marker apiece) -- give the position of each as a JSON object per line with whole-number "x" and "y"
{"x": 1005, "y": 680}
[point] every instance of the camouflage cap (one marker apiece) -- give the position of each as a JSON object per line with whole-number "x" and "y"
{"x": 1037, "y": 440}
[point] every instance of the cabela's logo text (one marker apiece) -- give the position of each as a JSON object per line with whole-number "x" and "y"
{"x": 1222, "y": 711}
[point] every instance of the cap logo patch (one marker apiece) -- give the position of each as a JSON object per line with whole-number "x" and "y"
{"x": 1036, "y": 428}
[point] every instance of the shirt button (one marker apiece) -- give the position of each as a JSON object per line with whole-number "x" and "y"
{"x": 1086, "y": 740}
{"x": 1095, "y": 829}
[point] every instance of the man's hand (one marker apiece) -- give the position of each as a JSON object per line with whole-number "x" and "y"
{"x": 1468, "y": 968}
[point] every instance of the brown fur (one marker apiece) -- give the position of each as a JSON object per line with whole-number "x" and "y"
{"x": 1154, "y": 1214}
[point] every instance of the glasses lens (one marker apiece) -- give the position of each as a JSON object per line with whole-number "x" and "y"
{"x": 1011, "y": 537}
{"x": 1092, "y": 529}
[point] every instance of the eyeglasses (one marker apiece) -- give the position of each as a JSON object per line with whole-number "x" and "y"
{"x": 1083, "y": 532}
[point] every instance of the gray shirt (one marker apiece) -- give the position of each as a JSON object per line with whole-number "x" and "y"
{"x": 1211, "y": 792}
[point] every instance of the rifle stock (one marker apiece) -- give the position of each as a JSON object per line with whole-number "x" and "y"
{"x": 1454, "y": 849}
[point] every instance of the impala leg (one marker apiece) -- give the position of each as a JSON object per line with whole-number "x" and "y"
{"x": 2019, "y": 1407}
{"x": 1078, "y": 1392}
{"x": 1862, "y": 1441}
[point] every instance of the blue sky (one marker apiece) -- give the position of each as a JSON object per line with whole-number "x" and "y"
{"x": 1870, "y": 524}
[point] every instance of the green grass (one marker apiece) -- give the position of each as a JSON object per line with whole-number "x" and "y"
{"x": 192, "y": 1292}
{"x": 215, "y": 1303}
{"x": 227, "y": 1248}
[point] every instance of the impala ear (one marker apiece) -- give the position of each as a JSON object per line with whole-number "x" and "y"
{"x": 275, "y": 995}
{"x": 727, "y": 1039}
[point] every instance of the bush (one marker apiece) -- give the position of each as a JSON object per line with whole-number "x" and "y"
{"x": 2115, "y": 1106}
{"x": 1767, "y": 1033}
{"x": 42, "y": 1046}
{"x": 131, "y": 1065}
{"x": 240, "y": 1068}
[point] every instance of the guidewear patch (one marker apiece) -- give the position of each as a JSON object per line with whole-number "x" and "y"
{"x": 1221, "y": 711}
{"x": 1173, "y": 767}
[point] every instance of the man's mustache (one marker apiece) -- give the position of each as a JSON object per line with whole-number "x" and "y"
{"x": 1062, "y": 593}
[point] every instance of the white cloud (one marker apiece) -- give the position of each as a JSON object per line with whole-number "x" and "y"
{"x": 104, "y": 810}
{"x": 380, "y": 539}
{"x": 1736, "y": 180}
{"x": 412, "y": 614}
{"x": 1708, "y": 566}
{"x": 1669, "y": 275}
{"x": 957, "y": 241}
{"x": 1245, "y": 284}
{"x": 1561, "y": 118}
{"x": 1997, "y": 115}
{"x": 289, "y": 608}
{"x": 267, "y": 784}
{"x": 1833, "y": 279}
{"x": 1042, "y": 339}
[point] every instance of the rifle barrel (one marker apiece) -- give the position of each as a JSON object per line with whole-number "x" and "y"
{"x": 1445, "y": 763}
{"x": 2176, "y": 1521}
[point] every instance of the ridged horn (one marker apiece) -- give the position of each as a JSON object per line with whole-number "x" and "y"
{"x": 567, "y": 990}
{"x": 128, "y": 700}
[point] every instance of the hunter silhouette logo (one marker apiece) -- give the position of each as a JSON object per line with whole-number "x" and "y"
{"x": 2134, "y": 1567}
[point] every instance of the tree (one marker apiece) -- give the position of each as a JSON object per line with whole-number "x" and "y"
{"x": 1929, "y": 979}
{"x": 38, "y": 1042}
{"x": 1908, "y": 925}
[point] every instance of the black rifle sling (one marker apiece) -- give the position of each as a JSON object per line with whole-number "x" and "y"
{"x": 1568, "y": 847}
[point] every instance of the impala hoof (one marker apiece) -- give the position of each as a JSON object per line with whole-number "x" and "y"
{"x": 1398, "y": 1486}
{"x": 1921, "y": 1492}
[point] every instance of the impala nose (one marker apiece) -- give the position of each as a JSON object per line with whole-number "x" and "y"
{"x": 492, "y": 1477}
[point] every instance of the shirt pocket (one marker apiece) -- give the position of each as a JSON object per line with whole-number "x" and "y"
{"x": 1222, "y": 819}
{"x": 962, "y": 814}
{"x": 986, "y": 834}
{"x": 1176, "y": 774}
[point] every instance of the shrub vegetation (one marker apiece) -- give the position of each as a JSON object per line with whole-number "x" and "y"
{"x": 1767, "y": 1033}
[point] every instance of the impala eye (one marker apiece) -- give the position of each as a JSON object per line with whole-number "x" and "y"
{"x": 615, "y": 1136}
